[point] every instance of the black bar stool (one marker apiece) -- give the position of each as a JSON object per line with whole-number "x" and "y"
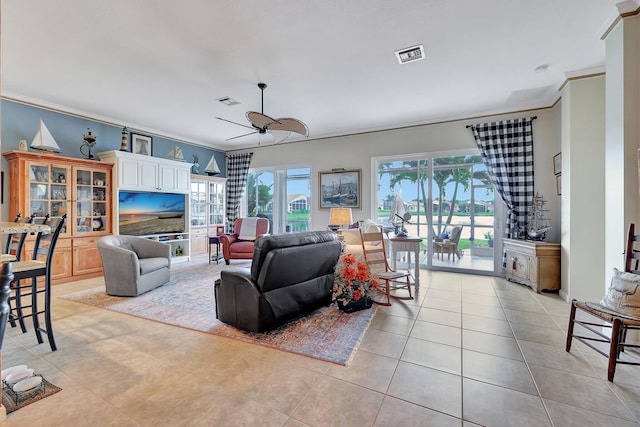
{"x": 33, "y": 269}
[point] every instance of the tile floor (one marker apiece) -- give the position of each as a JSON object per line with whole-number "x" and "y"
{"x": 469, "y": 350}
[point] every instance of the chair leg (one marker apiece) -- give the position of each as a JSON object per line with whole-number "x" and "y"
{"x": 623, "y": 338}
{"x": 47, "y": 313}
{"x": 34, "y": 309}
{"x": 613, "y": 349}
{"x": 572, "y": 319}
{"x": 385, "y": 293}
{"x": 19, "y": 312}
{"x": 12, "y": 317}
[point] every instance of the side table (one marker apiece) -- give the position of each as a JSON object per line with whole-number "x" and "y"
{"x": 214, "y": 240}
{"x": 407, "y": 244}
{"x": 449, "y": 247}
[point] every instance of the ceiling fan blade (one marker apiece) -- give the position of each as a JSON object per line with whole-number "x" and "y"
{"x": 235, "y": 123}
{"x": 259, "y": 120}
{"x": 289, "y": 125}
{"x": 240, "y": 136}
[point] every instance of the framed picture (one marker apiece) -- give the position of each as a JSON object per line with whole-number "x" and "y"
{"x": 141, "y": 144}
{"x": 339, "y": 188}
{"x": 559, "y": 184}
{"x": 557, "y": 164}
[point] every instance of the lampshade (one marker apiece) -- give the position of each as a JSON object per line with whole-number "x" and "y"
{"x": 340, "y": 216}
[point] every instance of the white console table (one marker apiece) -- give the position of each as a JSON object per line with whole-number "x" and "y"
{"x": 409, "y": 245}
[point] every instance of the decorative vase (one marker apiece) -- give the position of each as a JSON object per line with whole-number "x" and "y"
{"x": 353, "y": 306}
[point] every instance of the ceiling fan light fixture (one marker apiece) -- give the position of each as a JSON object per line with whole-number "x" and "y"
{"x": 279, "y": 135}
{"x": 410, "y": 54}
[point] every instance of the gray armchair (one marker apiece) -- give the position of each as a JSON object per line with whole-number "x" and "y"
{"x": 133, "y": 265}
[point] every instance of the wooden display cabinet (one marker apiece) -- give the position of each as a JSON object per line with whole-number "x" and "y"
{"x": 44, "y": 183}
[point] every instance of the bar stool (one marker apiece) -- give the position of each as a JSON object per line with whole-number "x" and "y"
{"x": 17, "y": 244}
{"x": 33, "y": 269}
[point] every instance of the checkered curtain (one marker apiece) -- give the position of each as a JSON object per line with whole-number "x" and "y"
{"x": 507, "y": 150}
{"x": 237, "y": 171}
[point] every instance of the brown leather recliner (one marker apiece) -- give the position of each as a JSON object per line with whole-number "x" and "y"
{"x": 290, "y": 276}
{"x": 239, "y": 246}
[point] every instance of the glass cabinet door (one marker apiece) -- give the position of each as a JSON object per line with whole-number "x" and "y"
{"x": 91, "y": 201}
{"x": 216, "y": 203}
{"x": 48, "y": 190}
{"x": 198, "y": 204}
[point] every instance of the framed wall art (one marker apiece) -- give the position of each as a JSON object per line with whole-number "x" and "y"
{"x": 141, "y": 144}
{"x": 339, "y": 188}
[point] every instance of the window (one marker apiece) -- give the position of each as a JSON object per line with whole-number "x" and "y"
{"x": 283, "y": 196}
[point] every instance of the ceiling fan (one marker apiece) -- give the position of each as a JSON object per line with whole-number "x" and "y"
{"x": 262, "y": 124}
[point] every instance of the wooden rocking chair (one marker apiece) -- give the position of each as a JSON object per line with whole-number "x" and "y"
{"x": 375, "y": 256}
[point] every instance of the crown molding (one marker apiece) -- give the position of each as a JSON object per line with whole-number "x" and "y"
{"x": 623, "y": 10}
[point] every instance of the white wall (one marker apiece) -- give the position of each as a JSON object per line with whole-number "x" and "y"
{"x": 583, "y": 189}
{"x": 355, "y": 152}
{"x": 622, "y": 137}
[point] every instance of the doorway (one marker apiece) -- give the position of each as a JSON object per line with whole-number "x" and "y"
{"x": 452, "y": 205}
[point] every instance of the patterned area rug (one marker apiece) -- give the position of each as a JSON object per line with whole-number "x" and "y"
{"x": 188, "y": 301}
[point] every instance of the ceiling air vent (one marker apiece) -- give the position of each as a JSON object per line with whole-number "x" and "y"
{"x": 410, "y": 54}
{"x": 228, "y": 101}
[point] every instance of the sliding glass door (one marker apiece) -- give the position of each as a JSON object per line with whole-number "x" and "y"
{"x": 452, "y": 207}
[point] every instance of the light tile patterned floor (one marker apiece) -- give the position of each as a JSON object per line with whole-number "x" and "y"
{"x": 469, "y": 350}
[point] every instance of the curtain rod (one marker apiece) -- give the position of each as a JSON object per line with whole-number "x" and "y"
{"x": 532, "y": 118}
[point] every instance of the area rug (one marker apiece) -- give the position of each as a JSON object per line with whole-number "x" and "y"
{"x": 14, "y": 401}
{"x": 188, "y": 301}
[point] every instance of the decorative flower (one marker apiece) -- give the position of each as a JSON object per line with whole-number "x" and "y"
{"x": 353, "y": 280}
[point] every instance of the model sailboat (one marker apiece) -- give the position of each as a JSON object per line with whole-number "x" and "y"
{"x": 44, "y": 141}
{"x": 537, "y": 221}
{"x": 212, "y": 167}
{"x": 176, "y": 154}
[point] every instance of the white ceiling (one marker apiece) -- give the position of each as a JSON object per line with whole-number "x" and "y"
{"x": 160, "y": 65}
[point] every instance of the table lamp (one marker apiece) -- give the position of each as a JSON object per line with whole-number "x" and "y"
{"x": 339, "y": 217}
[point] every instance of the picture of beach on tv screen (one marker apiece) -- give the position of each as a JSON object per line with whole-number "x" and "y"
{"x": 151, "y": 213}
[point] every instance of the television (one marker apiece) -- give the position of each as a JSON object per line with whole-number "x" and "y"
{"x": 145, "y": 213}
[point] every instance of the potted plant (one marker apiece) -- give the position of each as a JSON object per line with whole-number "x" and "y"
{"x": 489, "y": 236}
{"x": 353, "y": 285}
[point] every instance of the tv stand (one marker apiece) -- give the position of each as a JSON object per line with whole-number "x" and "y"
{"x": 179, "y": 243}
{"x": 139, "y": 173}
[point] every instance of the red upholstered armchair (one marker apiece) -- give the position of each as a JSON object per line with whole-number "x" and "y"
{"x": 240, "y": 244}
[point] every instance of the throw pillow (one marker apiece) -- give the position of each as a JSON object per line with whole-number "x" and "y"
{"x": 370, "y": 227}
{"x": 444, "y": 235}
{"x": 623, "y": 294}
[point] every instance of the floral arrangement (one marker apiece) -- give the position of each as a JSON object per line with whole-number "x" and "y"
{"x": 352, "y": 280}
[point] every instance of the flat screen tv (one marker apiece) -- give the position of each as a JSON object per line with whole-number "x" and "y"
{"x": 143, "y": 213}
